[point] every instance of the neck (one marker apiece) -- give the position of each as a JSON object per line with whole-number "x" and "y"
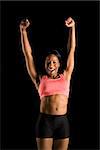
{"x": 54, "y": 76}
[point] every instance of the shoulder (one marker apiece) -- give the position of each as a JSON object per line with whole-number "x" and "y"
{"x": 67, "y": 75}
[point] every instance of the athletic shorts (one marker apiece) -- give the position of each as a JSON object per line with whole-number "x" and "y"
{"x": 52, "y": 126}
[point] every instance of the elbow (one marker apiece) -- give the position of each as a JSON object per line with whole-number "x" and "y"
{"x": 73, "y": 45}
{"x": 32, "y": 74}
{"x": 72, "y": 49}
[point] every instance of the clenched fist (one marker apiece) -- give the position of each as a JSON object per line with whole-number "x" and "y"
{"x": 24, "y": 24}
{"x": 69, "y": 22}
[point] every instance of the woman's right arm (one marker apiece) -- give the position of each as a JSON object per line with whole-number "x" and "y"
{"x": 27, "y": 51}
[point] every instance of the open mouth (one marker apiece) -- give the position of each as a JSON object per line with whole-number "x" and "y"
{"x": 51, "y": 70}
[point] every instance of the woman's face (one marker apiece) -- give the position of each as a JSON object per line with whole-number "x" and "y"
{"x": 52, "y": 65}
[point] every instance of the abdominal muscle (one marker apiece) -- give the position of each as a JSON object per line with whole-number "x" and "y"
{"x": 54, "y": 104}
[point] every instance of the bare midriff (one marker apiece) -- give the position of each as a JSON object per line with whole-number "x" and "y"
{"x": 54, "y": 104}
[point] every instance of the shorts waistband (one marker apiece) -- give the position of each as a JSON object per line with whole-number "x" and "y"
{"x": 51, "y": 115}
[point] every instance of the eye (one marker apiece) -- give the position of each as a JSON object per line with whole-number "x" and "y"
{"x": 48, "y": 62}
{"x": 54, "y": 62}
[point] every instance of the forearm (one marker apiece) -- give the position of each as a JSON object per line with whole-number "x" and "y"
{"x": 71, "y": 39}
{"x": 25, "y": 44}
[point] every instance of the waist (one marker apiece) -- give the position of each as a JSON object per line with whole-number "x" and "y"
{"x": 56, "y": 104}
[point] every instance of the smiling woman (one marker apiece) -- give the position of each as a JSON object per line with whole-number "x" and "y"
{"x": 52, "y": 65}
{"x": 53, "y": 88}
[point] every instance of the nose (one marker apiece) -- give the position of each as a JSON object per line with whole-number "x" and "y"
{"x": 51, "y": 65}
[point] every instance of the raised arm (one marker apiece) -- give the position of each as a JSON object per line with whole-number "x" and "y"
{"x": 71, "y": 46}
{"x": 27, "y": 51}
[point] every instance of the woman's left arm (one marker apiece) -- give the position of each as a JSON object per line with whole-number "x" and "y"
{"x": 71, "y": 46}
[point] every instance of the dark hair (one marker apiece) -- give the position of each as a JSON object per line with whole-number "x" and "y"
{"x": 55, "y": 52}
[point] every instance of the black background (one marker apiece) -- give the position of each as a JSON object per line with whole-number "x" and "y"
{"x": 20, "y": 100}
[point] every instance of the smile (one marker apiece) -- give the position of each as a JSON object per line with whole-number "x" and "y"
{"x": 51, "y": 69}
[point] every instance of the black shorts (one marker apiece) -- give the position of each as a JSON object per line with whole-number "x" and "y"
{"x": 52, "y": 126}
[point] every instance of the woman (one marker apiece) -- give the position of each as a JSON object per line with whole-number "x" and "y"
{"x": 52, "y": 128}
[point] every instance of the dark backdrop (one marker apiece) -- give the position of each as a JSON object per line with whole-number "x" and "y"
{"x": 20, "y": 100}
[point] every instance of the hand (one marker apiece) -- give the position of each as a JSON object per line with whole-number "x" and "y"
{"x": 24, "y": 24}
{"x": 69, "y": 22}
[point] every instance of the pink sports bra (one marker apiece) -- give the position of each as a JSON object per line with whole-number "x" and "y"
{"x": 50, "y": 86}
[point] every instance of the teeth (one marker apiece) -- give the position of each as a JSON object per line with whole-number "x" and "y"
{"x": 51, "y": 70}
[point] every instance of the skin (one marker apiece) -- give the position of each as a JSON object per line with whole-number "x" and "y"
{"x": 54, "y": 104}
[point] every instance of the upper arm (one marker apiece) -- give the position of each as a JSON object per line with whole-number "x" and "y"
{"x": 70, "y": 63}
{"x": 31, "y": 69}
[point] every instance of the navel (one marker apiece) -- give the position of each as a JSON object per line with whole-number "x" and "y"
{"x": 56, "y": 108}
